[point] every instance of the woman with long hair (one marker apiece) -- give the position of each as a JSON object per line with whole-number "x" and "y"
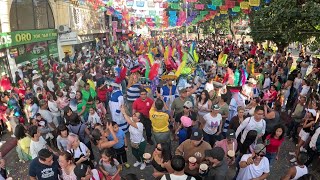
{"x": 23, "y": 144}
{"x": 137, "y": 141}
{"x": 161, "y": 160}
{"x": 101, "y": 141}
{"x": 67, "y": 165}
{"x": 308, "y": 126}
{"x": 273, "y": 142}
{"x": 203, "y": 103}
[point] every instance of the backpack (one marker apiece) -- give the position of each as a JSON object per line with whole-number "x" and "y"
{"x": 169, "y": 178}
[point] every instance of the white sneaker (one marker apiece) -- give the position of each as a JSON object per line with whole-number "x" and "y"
{"x": 292, "y": 153}
{"x": 302, "y": 149}
{"x": 293, "y": 160}
{"x": 143, "y": 165}
{"x": 13, "y": 136}
{"x": 136, "y": 164}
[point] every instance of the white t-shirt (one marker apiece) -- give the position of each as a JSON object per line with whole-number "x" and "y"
{"x": 136, "y": 135}
{"x": 77, "y": 152}
{"x": 305, "y": 89}
{"x": 35, "y": 147}
{"x": 267, "y": 83}
{"x": 251, "y": 124}
{"x": 297, "y": 82}
{"x": 49, "y": 117}
{"x": 212, "y": 123}
{"x": 209, "y": 87}
{"x": 176, "y": 177}
{"x": 253, "y": 171}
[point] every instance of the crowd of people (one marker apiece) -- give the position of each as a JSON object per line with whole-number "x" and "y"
{"x": 224, "y": 118}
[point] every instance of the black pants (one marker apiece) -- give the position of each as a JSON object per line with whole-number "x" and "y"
{"x": 121, "y": 155}
{"x": 311, "y": 156}
{"x": 293, "y": 129}
{"x": 147, "y": 125}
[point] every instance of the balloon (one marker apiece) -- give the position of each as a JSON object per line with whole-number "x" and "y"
{"x": 154, "y": 71}
{"x": 236, "y": 78}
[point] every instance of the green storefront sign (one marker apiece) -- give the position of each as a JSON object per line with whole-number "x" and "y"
{"x": 5, "y": 40}
{"x": 26, "y": 37}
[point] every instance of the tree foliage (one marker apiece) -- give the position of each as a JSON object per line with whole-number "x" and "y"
{"x": 285, "y": 21}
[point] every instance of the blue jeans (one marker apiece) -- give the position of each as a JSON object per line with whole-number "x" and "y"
{"x": 271, "y": 157}
{"x": 211, "y": 138}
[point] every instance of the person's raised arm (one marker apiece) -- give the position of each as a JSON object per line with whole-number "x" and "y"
{"x": 242, "y": 126}
{"x": 127, "y": 118}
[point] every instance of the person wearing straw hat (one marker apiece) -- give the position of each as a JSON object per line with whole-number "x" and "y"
{"x": 115, "y": 102}
{"x": 255, "y": 165}
{"x": 169, "y": 91}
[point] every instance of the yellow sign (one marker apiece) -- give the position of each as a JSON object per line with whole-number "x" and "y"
{"x": 244, "y": 5}
{"x": 67, "y": 49}
{"x": 254, "y": 2}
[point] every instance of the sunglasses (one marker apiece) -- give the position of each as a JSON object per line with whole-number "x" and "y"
{"x": 158, "y": 149}
{"x": 261, "y": 155}
{"x": 185, "y": 107}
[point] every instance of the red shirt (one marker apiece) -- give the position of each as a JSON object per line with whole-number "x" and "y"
{"x": 274, "y": 144}
{"x": 6, "y": 84}
{"x": 143, "y": 107}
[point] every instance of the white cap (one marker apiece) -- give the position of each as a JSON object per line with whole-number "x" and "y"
{"x": 313, "y": 112}
{"x": 34, "y": 72}
{"x": 3, "y": 73}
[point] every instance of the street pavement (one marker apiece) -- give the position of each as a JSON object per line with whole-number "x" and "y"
{"x": 19, "y": 171}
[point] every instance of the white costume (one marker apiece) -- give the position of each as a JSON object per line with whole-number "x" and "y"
{"x": 115, "y": 102}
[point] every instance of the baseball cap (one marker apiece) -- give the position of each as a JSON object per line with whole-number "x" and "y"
{"x": 215, "y": 153}
{"x": 260, "y": 148}
{"x": 313, "y": 112}
{"x": 231, "y": 134}
{"x": 186, "y": 121}
{"x": 215, "y": 107}
{"x": 182, "y": 90}
{"x": 188, "y": 104}
{"x": 80, "y": 171}
{"x": 188, "y": 85}
{"x": 196, "y": 135}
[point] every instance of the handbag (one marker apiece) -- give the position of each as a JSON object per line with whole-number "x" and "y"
{"x": 135, "y": 145}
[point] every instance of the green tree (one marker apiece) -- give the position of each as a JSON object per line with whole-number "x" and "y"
{"x": 285, "y": 21}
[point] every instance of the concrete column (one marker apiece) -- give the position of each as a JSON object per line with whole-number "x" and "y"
{"x": 5, "y": 15}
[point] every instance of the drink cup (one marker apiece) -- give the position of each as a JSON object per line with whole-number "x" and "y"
{"x": 192, "y": 161}
{"x": 231, "y": 153}
{"x": 147, "y": 157}
{"x": 203, "y": 169}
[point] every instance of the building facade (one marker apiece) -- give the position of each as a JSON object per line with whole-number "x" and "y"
{"x": 34, "y": 29}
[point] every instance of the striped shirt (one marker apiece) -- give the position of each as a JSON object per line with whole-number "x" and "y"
{"x": 133, "y": 92}
{"x": 201, "y": 88}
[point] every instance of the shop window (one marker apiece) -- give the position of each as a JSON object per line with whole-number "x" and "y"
{"x": 31, "y": 14}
